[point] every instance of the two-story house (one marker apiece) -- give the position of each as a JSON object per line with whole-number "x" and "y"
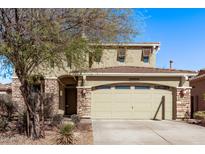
{"x": 124, "y": 84}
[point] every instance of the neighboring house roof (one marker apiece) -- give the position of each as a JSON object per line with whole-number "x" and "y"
{"x": 137, "y": 70}
{"x": 199, "y": 77}
{"x": 5, "y": 87}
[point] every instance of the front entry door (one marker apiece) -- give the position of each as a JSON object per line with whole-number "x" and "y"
{"x": 70, "y": 100}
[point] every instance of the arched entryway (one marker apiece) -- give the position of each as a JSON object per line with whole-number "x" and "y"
{"x": 68, "y": 94}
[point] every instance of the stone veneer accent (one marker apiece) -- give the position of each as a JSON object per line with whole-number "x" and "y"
{"x": 183, "y": 103}
{"x": 17, "y": 98}
{"x": 51, "y": 86}
{"x": 84, "y": 102}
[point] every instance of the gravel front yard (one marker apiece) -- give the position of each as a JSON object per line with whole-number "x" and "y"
{"x": 83, "y": 135}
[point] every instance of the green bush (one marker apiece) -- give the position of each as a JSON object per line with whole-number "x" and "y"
{"x": 66, "y": 134}
{"x": 21, "y": 124}
{"x": 57, "y": 120}
{"x": 7, "y": 107}
{"x": 75, "y": 118}
{"x": 66, "y": 129}
{"x": 199, "y": 115}
{"x": 3, "y": 124}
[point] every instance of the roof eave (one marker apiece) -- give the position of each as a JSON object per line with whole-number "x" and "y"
{"x": 137, "y": 74}
{"x": 128, "y": 44}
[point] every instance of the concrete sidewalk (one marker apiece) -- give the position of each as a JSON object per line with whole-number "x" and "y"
{"x": 146, "y": 132}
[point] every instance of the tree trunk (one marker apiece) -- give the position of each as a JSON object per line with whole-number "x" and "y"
{"x": 42, "y": 96}
{"x": 33, "y": 109}
{"x": 36, "y": 127}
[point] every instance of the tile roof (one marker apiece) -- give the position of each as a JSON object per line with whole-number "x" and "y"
{"x": 133, "y": 69}
{"x": 199, "y": 77}
{"x": 5, "y": 87}
{"x": 201, "y": 72}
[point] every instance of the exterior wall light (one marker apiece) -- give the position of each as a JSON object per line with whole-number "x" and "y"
{"x": 84, "y": 92}
{"x": 182, "y": 93}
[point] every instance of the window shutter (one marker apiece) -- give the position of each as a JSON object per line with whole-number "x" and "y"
{"x": 146, "y": 52}
{"x": 121, "y": 55}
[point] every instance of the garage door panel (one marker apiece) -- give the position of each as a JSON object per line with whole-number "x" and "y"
{"x": 104, "y": 97}
{"x": 124, "y": 115}
{"x": 137, "y": 96}
{"x": 141, "y": 106}
{"x": 130, "y": 104}
{"x": 101, "y": 114}
{"x": 121, "y": 106}
{"x": 119, "y": 97}
{"x": 142, "y": 115}
{"x": 102, "y": 107}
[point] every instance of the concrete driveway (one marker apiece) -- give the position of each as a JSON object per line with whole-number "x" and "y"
{"x": 146, "y": 132}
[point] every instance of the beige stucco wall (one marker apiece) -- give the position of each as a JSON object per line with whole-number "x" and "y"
{"x": 133, "y": 58}
{"x": 108, "y": 59}
{"x": 166, "y": 81}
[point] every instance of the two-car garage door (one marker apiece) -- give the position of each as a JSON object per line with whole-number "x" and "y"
{"x": 131, "y": 103}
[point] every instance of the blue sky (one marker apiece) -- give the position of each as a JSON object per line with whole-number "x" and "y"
{"x": 181, "y": 33}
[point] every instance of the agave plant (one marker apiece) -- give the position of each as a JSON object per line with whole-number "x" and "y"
{"x": 66, "y": 134}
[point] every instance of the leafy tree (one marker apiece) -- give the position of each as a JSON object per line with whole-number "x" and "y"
{"x": 33, "y": 38}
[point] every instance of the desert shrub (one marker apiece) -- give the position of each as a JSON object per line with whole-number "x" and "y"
{"x": 21, "y": 124}
{"x": 199, "y": 115}
{"x": 57, "y": 120}
{"x": 75, "y": 118}
{"x": 7, "y": 107}
{"x": 3, "y": 124}
{"x": 66, "y": 134}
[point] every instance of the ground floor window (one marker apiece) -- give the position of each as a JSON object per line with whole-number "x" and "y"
{"x": 142, "y": 87}
{"x": 122, "y": 87}
{"x": 161, "y": 87}
{"x": 102, "y": 87}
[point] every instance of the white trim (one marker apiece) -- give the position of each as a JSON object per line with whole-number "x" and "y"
{"x": 51, "y": 78}
{"x": 3, "y": 92}
{"x": 79, "y": 87}
{"x": 131, "y": 74}
{"x": 184, "y": 87}
{"x": 139, "y": 74}
{"x": 129, "y": 44}
{"x": 15, "y": 77}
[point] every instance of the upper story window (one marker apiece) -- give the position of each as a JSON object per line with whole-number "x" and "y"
{"x": 146, "y": 54}
{"x": 146, "y": 59}
{"x": 121, "y": 55}
{"x": 69, "y": 61}
{"x": 52, "y": 63}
